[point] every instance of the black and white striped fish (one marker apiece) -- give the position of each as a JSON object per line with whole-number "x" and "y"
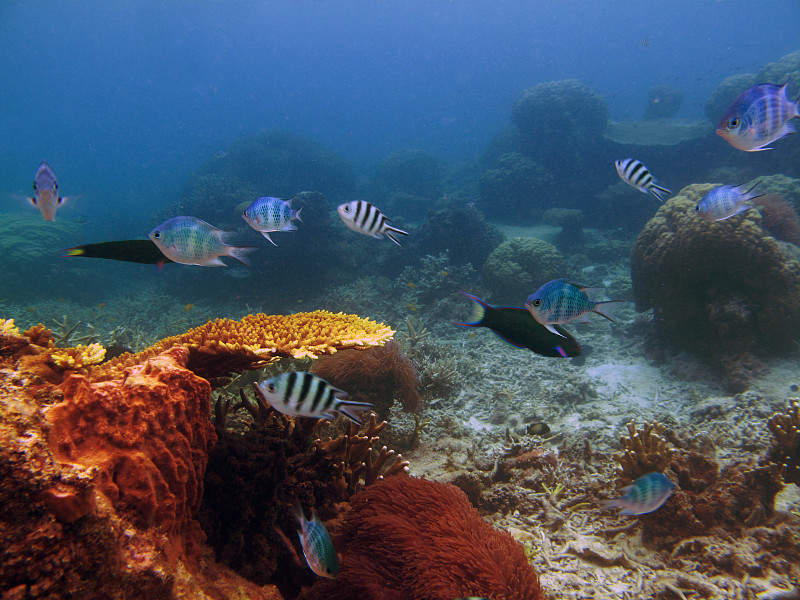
{"x": 302, "y": 394}
{"x": 363, "y": 217}
{"x": 634, "y": 173}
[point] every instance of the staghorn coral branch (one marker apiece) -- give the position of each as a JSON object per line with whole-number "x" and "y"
{"x": 644, "y": 451}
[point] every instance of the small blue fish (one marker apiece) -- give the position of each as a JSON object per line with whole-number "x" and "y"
{"x": 561, "y": 301}
{"x": 635, "y": 174}
{"x": 758, "y": 117}
{"x": 191, "y": 241}
{"x": 45, "y": 192}
{"x": 271, "y": 214}
{"x": 646, "y": 494}
{"x": 726, "y": 201}
{"x": 317, "y": 544}
{"x": 303, "y": 394}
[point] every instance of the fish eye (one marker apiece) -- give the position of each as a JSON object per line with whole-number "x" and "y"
{"x": 697, "y": 208}
{"x": 156, "y": 234}
{"x": 346, "y": 208}
{"x": 537, "y": 302}
{"x": 270, "y": 387}
{"x": 733, "y": 123}
{"x": 34, "y": 186}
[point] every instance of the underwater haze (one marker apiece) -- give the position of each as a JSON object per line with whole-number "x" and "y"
{"x": 124, "y": 99}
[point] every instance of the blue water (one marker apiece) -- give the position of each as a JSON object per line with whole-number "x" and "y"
{"x": 124, "y": 101}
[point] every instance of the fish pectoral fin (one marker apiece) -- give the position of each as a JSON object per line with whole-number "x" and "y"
{"x": 552, "y": 329}
{"x": 214, "y": 262}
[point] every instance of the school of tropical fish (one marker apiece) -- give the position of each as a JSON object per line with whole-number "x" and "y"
{"x": 758, "y": 117}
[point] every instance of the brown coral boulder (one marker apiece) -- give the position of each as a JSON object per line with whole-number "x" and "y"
{"x": 717, "y": 289}
{"x": 406, "y": 538}
{"x": 148, "y": 435}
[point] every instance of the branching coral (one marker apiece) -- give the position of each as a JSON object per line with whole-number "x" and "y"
{"x": 645, "y": 451}
{"x": 377, "y": 375}
{"x": 78, "y": 357}
{"x": 785, "y": 451}
{"x": 225, "y": 345}
{"x": 410, "y": 539}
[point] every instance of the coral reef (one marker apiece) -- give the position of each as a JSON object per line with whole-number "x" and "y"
{"x": 410, "y": 539}
{"x": 461, "y": 231}
{"x": 100, "y": 482}
{"x": 518, "y": 267}
{"x": 377, "y": 375}
{"x": 571, "y": 237}
{"x": 787, "y": 188}
{"x": 663, "y": 102}
{"x": 515, "y": 188}
{"x": 254, "y": 477}
{"x": 645, "y": 451}
{"x": 784, "y": 70}
{"x": 283, "y": 164}
{"x": 785, "y": 450}
{"x": 717, "y": 289}
{"x": 212, "y": 198}
{"x": 224, "y": 345}
{"x": 556, "y": 114}
{"x": 414, "y": 172}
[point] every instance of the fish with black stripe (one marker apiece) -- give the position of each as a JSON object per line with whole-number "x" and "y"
{"x": 364, "y": 217}
{"x": 302, "y": 394}
{"x": 634, "y": 173}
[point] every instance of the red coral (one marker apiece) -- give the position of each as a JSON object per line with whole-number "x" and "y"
{"x": 406, "y": 538}
{"x": 149, "y": 435}
{"x": 375, "y": 375}
{"x": 779, "y": 218}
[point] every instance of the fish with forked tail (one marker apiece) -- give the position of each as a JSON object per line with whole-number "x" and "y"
{"x": 515, "y": 325}
{"x": 192, "y": 241}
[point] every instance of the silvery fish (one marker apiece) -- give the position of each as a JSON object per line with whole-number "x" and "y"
{"x": 317, "y": 544}
{"x": 191, "y": 241}
{"x": 634, "y": 173}
{"x": 45, "y": 192}
{"x": 758, "y": 117}
{"x": 725, "y": 201}
{"x": 646, "y": 494}
{"x": 302, "y": 394}
{"x": 561, "y": 301}
{"x": 271, "y": 214}
{"x": 363, "y": 217}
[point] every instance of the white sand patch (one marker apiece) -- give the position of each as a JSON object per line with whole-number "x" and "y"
{"x": 638, "y": 383}
{"x": 476, "y": 425}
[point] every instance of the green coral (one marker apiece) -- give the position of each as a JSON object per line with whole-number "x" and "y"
{"x": 719, "y": 288}
{"x": 518, "y": 267}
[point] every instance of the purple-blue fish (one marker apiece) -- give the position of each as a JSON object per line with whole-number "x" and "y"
{"x": 758, "y": 117}
{"x": 270, "y": 214}
{"x": 646, "y": 494}
{"x": 45, "y": 192}
{"x": 725, "y": 201}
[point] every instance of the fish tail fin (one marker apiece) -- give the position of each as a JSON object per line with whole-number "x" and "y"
{"x": 240, "y": 253}
{"x": 297, "y": 214}
{"x": 611, "y": 503}
{"x": 659, "y": 192}
{"x": 606, "y": 308}
{"x": 478, "y": 312}
{"x": 392, "y": 230}
{"x": 345, "y": 407}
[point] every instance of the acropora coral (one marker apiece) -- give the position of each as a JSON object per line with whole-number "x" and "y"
{"x": 717, "y": 288}
{"x": 377, "y": 375}
{"x": 225, "y": 345}
{"x": 406, "y": 538}
{"x": 517, "y": 267}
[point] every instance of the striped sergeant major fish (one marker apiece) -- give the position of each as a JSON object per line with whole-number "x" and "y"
{"x": 634, "y": 173}
{"x": 302, "y": 394}
{"x": 363, "y": 217}
{"x": 759, "y": 116}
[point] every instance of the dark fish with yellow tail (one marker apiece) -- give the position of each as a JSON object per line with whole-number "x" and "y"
{"x": 515, "y": 325}
{"x": 136, "y": 251}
